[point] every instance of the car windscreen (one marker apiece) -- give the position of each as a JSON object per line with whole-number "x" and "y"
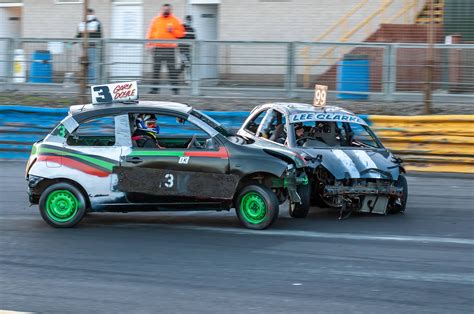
{"x": 212, "y": 123}
{"x": 325, "y": 134}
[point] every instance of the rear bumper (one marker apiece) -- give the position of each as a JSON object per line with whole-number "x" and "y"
{"x": 34, "y": 190}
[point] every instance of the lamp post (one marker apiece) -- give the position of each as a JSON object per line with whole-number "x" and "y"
{"x": 428, "y": 99}
{"x": 85, "y": 57}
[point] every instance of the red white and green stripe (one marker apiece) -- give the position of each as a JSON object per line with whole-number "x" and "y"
{"x": 90, "y": 164}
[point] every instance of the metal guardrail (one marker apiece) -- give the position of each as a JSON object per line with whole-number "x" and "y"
{"x": 393, "y": 71}
{"x": 425, "y": 143}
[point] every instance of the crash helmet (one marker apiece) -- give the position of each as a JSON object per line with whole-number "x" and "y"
{"x": 147, "y": 122}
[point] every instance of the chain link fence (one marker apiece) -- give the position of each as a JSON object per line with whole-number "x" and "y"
{"x": 376, "y": 71}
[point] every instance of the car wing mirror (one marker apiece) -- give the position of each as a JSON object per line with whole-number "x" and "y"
{"x": 210, "y": 144}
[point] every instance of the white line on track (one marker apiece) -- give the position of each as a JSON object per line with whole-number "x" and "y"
{"x": 287, "y": 233}
{"x": 327, "y": 235}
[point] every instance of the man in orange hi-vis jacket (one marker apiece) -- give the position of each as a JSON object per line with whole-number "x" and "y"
{"x": 165, "y": 27}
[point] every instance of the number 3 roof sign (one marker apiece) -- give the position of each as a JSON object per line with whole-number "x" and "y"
{"x": 117, "y": 92}
{"x": 320, "y": 93}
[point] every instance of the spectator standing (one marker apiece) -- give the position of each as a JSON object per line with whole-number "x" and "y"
{"x": 94, "y": 30}
{"x": 189, "y": 34}
{"x": 165, "y": 27}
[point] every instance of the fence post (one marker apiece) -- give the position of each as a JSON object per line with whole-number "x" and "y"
{"x": 390, "y": 71}
{"x": 10, "y": 70}
{"x": 195, "y": 68}
{"x": 290, "y": 79}
{"x": 100, "y": 62}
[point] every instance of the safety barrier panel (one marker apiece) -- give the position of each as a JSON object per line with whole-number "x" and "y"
{"x": 429, "y": 143}
{"x": 425, "y": 143}
{"x": 21, "y": 126}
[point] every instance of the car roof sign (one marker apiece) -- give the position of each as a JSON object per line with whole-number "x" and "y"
{"x": 112, "y": 93}
{"x": 332, "y": 117}
{"x": 320, "y": 95}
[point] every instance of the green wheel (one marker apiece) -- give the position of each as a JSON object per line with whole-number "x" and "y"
{"x": 257, "y": 207}
{"x": 62, "y": 205}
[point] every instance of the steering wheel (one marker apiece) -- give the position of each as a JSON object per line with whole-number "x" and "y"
{"x": 303, "y": 138}
{"x": 194, "y": 143}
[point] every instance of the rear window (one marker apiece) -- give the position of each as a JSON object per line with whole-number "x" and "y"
{"x": 95, "y": 132}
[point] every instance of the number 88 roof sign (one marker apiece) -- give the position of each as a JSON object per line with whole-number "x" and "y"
{"x": 111, "y": 93}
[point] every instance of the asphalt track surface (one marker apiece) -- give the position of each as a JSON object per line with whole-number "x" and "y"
{"x": 422, "y": 261}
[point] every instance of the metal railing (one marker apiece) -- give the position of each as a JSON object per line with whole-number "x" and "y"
{"x": 377, "y": 71}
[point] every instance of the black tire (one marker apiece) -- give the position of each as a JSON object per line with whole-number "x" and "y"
{"x": 257, "y": 207}
{"x": 62, "y": 205}
{"x": 300, "y": 210}
{"x": 400, "y": 208}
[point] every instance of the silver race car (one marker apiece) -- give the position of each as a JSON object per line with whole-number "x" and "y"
{"x": 348, "y": 167}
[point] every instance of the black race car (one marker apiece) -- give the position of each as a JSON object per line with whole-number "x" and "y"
{"x": 149, "y": 155}
{"x": 348, "y": 166}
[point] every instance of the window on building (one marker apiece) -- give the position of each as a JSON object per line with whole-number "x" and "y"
{"x": 127, "y": 1}
{"x": 68, "y": 1}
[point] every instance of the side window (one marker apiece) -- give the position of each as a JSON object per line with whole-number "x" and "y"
{"x": 253, "y": 124}
{"x": 150, "y": 130}
{"x": 360, "y": 135}
{"x": 171, "y": 126}
{"x": 95, "y": 132}
{"x": 273, "y": 127}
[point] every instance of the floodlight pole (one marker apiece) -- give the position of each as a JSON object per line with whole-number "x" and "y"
{"x": 85, "y": 57}
{"x": 429, "y": 63}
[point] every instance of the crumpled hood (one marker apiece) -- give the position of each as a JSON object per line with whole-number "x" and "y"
{"x": 357, "y": 163}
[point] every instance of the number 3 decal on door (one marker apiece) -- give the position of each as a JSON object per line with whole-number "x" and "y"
{"x": 170, "y": 180}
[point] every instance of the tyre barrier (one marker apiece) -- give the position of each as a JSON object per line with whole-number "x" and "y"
{"x": 425, "y": 143}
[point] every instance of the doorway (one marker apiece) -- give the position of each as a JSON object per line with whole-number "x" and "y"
{"x": 126, "y": 61}
{"x": 205, "y": 25}
{"x": 10, "y": 27}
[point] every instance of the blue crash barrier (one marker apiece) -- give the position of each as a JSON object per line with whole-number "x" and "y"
{"x": 21, "y": 126}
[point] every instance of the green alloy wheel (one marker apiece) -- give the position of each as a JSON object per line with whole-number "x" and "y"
{"x": 62, "y": 205}
{"x": 257, "y": 207}
{"x": 253, "y": 208}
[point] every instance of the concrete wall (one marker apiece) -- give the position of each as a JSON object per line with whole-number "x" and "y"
{"x": 47, "y": 19}
{"x": 277, "y": 20}
{"x": 297, "y": 20}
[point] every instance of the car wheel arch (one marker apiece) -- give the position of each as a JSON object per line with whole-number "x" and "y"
{"x": 49, "y": 182}
{"x": 254, "y": 178}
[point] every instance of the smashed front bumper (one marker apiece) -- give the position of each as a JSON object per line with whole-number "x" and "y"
{"x": 361, "y": 190}
{"x": 367, "y": 197}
